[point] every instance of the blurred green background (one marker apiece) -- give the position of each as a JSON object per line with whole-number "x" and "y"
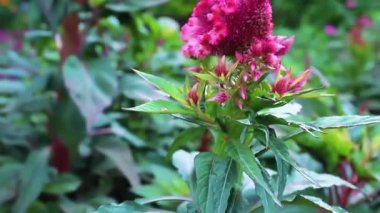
{"x": 66, "y": 145}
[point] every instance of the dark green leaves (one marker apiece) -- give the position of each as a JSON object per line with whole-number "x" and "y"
{"x": 33, "y": 177}
{"x": 133, "y": 5}
{"x": 237, "y": 203}
{"x": 123, "y": 208}
{"x": 184, "y": 137}
{"x": 215, "y": 178}
{"x": 282, "y": 151}
{"x": 120, "y": 154}
{"x": 246, "y": 159}
{"x": 63, "y": 184}
{"x": 318, "y": 201}
{"x": 91, "y": 87}
{"x": 9, "y": 174}
{"x": 323, "y": 180}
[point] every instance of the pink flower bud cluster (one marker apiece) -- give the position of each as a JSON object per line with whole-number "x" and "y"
{"x": 265, "y": 54}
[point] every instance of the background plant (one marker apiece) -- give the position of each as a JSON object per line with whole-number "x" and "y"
{"x": 86, "y": 162}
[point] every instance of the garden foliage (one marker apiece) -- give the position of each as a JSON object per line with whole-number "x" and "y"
{"x": 189, "y": 106}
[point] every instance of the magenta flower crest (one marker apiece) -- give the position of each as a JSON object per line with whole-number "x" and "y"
{"x": 222, "y": 27}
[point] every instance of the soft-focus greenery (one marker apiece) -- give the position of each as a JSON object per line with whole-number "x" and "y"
{"x": 66, "y": 145}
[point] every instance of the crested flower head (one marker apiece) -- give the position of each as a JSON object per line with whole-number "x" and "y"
{"x": 222, "y": 27}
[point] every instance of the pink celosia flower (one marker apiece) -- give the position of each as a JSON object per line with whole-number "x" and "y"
{"x": 221, "y": 97}
{"x": 288, "y": 84}
{"x": 223, "y": 27}
{"x": 330, "y": 30}
{"x": 350, "y": 4}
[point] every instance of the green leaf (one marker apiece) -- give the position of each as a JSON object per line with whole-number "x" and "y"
{"x": 215, "y": 178}
{"x": 318, "y": 201}
{"x": 144, "y": 201}
{"x": 282, "y": 170}
{"x": 33, "y": 177}
{"x": 67, "y": 205}
{"x": 124, "y": 133}
{"x": 184, "y": 137}
{"x": 133, "y": 5}
{"x": 244, "y": 156}
{"x": 11, "y": 87}
{"x": 323, "y": 180}
{"x": 120, "y": 154}
{"x": 204, "y": 76}
{"x": 161, "y": 107}
{"x": 9, "y": 177}
{"x": 135, "y": 87}
{"x": 266, "y": 200}
{"x": 127, "y": 206}
{"x": 91, "y": 89}
{"x": 282, "y": 151}
{"x": 164, "y": 86}
{"x": 237, "y": 203}
{"x": 187, "y": 207}
{"x": 65, "y": 183}
{"x": 334, "y": 122}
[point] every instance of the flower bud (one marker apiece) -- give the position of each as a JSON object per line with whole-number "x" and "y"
{"x": 256, "y": 74}
{"x": 221, "y": 68}
{"x": 245, "y": 77}
{"x": 272, "y": 61}
{"x": 192, "y": 96}
{"x": 243, "y": 93}
{"x": 193, "y": 69}
{"x": 286, "y": 44}
{"x": 281, "y": 86}
{"x": 222, "y": 97}
{"x": 298, "y": 82}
